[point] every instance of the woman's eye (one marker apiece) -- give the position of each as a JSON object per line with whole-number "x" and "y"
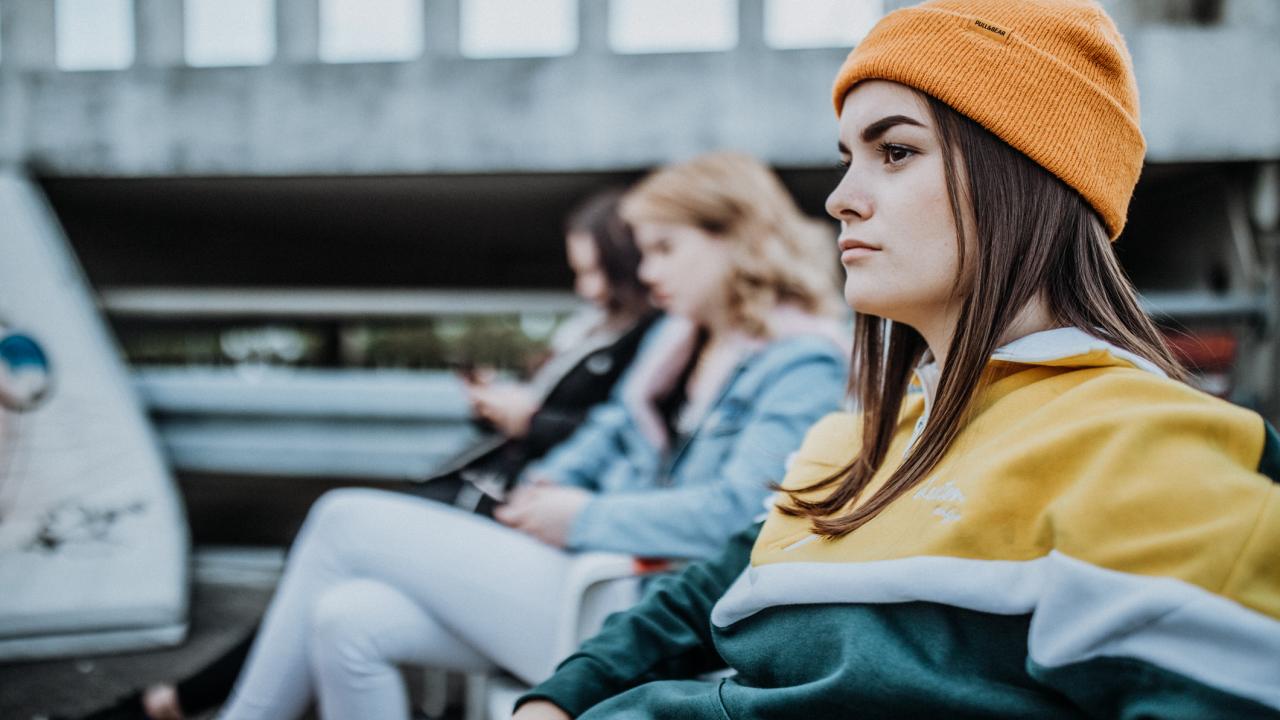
{"x": 895, "y": 154}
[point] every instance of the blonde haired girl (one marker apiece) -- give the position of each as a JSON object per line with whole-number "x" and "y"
{"x": 778, "y": 256}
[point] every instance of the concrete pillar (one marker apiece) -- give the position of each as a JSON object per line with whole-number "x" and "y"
{"x": 1264, "y": 211}
{"x": 297, "y": 31}
{"x": 1264, "y": 205}
{"x": 751, "y": 25}
{"x": 13, "y": 113}
{"x": 27, "y": 40}
{"x": 158, "y": 32}
{"x": 442, "y": 21}
{"x": 593, "y": 26}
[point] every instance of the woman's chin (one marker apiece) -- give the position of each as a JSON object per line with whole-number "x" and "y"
{"x": 863, "y": 306}
{"x": 682, "y": 315}
{"x": 673, "y": 310}
{"x": 860, "y": 303}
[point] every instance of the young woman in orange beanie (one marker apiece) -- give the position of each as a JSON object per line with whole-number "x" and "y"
{"x": 1029, "y": 514}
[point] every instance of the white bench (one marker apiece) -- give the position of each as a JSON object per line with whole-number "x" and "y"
{"x": 93, "y": 540}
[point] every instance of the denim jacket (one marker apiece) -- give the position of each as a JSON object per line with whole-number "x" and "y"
{"x": 686, "y": 500}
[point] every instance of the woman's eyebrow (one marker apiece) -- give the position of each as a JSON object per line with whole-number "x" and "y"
{"x": 873, "y": 131}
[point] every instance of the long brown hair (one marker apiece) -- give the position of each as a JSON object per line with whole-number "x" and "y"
{"x": 1035, "y": 237}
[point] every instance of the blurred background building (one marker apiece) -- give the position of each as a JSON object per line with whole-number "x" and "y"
{"x": 297, "y": 215}
{"x": 336, "y": 186}
{"x": 346, "y": 186}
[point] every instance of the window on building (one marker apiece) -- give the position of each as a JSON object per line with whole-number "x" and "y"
{"x": 519, "y": 28}
{"x": 370, "y": 30}
{"x": 819, "y": 23}
{"x": 229, "y": 32}
{"x": 93, "y": 34}
{"x": 661, "y": 26}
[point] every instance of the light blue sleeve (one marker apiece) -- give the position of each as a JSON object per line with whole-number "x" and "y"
{"x": 587, "y": 453}
{"x": 591, "y": 448}
{"x": 694, "y": 521}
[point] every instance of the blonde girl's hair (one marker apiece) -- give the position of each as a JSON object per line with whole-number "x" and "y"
{"x": 780, "y": 256}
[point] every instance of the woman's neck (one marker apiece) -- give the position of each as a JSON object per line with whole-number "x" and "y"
{"x": 719, "y": 326}
{"x": 715, "y": 342}
{"x": 717, "y": 354}
{"x": 1034, "y": 317}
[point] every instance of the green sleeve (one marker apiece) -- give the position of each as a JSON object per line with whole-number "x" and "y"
{"x": 1121, "y": 688}
{"x": 667, "y": 635}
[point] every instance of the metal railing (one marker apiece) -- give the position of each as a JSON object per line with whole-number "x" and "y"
{"x": 354, "y": 424}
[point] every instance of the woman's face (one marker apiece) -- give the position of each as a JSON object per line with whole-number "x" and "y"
{"x": 589, "y": 281}
{"x": 686, "y": 269}
{"x": 897, "y": 233}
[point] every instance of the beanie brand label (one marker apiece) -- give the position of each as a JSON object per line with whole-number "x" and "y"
{"x": 994, "y": 32}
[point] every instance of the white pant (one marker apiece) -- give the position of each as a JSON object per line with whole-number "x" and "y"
{"x": 378, "y": 578}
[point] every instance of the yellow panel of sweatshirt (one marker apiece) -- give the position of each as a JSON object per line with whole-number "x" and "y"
{"x": 1109, "y": 464}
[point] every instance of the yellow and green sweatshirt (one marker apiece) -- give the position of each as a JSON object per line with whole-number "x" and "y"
{"x": 1099, "y": 541}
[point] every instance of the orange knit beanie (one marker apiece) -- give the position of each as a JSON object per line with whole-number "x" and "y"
{"x": 1050, "y": 77}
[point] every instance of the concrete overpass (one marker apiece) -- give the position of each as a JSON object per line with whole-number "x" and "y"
{"x": 1206, "y": 72}
{"x": 386, "y": 190}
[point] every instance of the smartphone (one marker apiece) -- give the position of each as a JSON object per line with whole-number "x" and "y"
{"x": 468, "y": 372}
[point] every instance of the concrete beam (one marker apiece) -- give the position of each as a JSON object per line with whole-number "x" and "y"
{"x": 385, "y": 424}
{"x": 330, "y": 304}
{"x": 27, "y": 35}
{"x": 582, "y": 112}
{"x": 297, "y": 31}
{"x": 158, "y": 32}
{"x": 1206, "y": 94}
{"x": 571, "y": 113}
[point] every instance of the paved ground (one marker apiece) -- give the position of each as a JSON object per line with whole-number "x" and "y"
{"x": 232, "y": 520}
{"x": 222, "y": 610}
{"x": 237, "y": 511}
{"x": 220, "y": 615}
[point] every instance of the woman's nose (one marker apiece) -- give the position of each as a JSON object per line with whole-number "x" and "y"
{"x": 646, "y": 271}
{"x": 847, "y": 201}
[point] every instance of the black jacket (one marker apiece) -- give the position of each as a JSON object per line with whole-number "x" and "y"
{"x": 495, "y": 462}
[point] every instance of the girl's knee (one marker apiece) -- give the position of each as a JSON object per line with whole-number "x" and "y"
{"x": 341, "y": 508}
{"x": 343, "y": 627}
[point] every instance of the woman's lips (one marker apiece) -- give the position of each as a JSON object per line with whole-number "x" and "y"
{"x": 852, "y": 249}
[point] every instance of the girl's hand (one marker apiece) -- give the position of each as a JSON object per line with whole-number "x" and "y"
{"x": 540, "y": 710}
{"x": 544, "y": 511}
{"x": 508, "y": 406}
